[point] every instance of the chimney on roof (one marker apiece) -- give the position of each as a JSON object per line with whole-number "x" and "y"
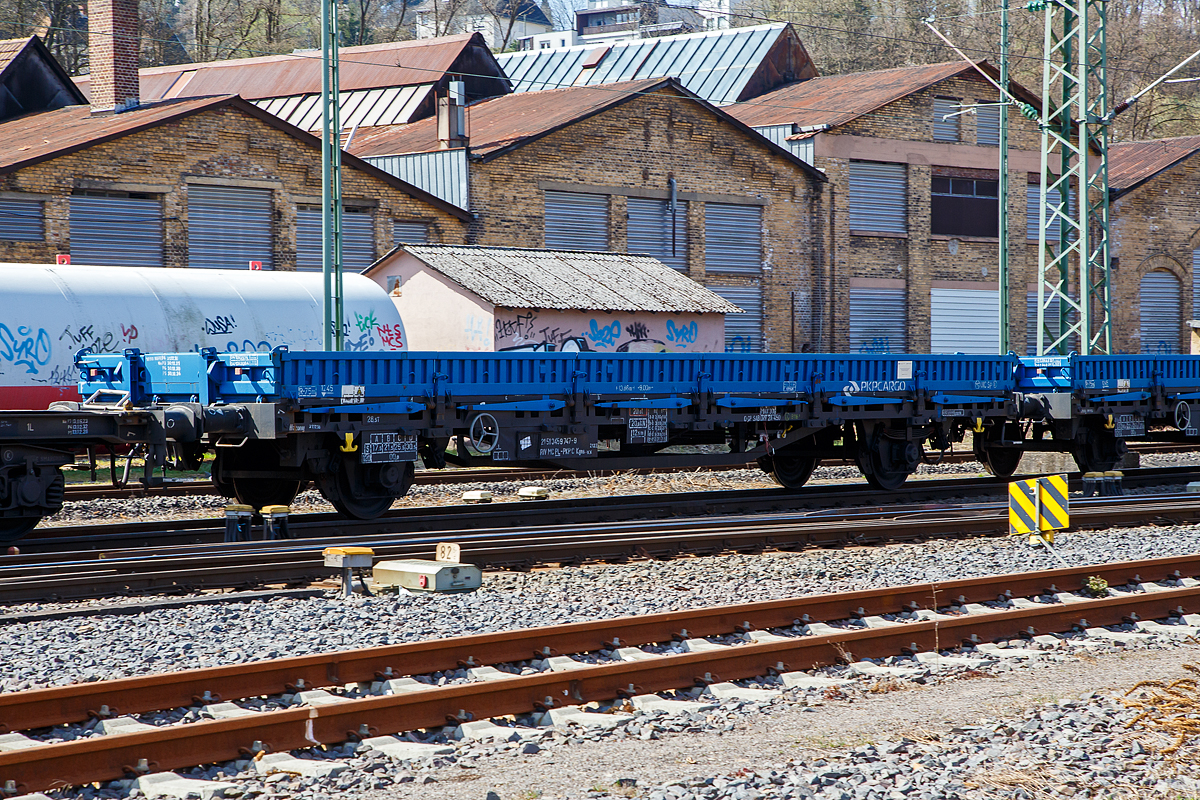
{"x": 113, "y": 45}
{"x": 452, "y": 117}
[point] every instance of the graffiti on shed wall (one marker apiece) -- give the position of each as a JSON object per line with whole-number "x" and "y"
{"x": 631, "y": 332}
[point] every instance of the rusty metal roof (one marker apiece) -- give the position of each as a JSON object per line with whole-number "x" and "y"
{"x": 372, "y": 66}
{"x": 837, "y": 99}
{"x": 1133, "y": 163}
{"x": 9, "y": 49}
{"x": 716, "y": 65}
{"x": 34, "y": 138}
{"x": 566, "y": 279}
{"x": 503, "y": 123}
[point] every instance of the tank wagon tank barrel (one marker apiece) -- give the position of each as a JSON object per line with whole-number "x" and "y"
{"x": 354, "y": 423}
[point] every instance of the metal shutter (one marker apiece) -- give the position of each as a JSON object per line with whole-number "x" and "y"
{"x": 964, "y": 320}
{"x": 1161, "y": 313}
{"x": 1031, "y": 310}
{"x": 878, "y": 320}
{"x": 21, "y": 220}
{"x": 358, "y": 239}
{"x": 987, "y": 126}
{"x": 229, "y": 226}
{"x": 945, "y": 130}
{"x": 650, "y": 229}
{"x": 576, "y": 221}
{"x": 1196, "y": 283}
{"x": 878, "y": 197}
{"x": 743, "y": 332}
{"x": 732, "y": 238}
{"x": 119, "y": 231}
{"x": 411, "y": 232}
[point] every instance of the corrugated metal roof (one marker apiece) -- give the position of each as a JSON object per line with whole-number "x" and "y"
{"x": 564, "y": 279}
{"x": 371, "y": 66}
{"x": 1132, "y": 163}
{"x": 367, "y": 107}
{"x": 501, "y": 121}
{"x": 837, "y": 99}
{"x": 716, "y": 65}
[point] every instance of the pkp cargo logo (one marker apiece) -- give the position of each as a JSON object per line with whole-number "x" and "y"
{"x": 875, "y": 386}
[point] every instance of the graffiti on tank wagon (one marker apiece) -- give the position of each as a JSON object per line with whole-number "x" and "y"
{"x": 220, "y": 325}
{"x": 365, "y": 323}
{"x": 392, "y": 336}
{"x": 87, "y": 336}
{"x": 25, "y": 348}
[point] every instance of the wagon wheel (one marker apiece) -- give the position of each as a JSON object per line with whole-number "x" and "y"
{"x": 13, "y": 528}
{"x": 1097, "y": 450}
{"x": 999, "y": 461}
{"x": 484, "y": 433}
{"x": 886, "y": 464}
{"x": 366, "y": 491}
{"x": 790, "y": 471}
{"x": 252, "y": 491}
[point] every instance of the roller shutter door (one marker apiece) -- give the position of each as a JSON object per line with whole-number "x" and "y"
{"x": 733, "y": 238}
{"x": 743, "y": 332}
{"x": 118, "y": 231}
{"x": 21, "y": 220}
{"x": 1161, "y": 313}
{"x": 576, "y": 221}
{"x": 964, "y": 320}
{"x": 987, "y": 126}
{"x": 229, "y": 226}
{"x": 878, "y": 197}
{"x": 652, "y": 227}
{"x": 358, "y": 239}
{"x": 1196, "y": 283}
{"x": 878, "y": 320}
{"x": 410, "y": 232}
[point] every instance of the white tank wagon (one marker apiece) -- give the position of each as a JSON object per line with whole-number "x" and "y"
{"x": 49, "y": 312}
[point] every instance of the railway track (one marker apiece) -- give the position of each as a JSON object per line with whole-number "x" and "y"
{"x": 182, "y": 568}
{"x": 432, "y": 477}
{"x": 947, "y": 613}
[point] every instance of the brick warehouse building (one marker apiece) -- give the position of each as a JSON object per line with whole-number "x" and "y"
{"x": 598, "y": 168}
{"x": 201, "y": 182}
{"x": 910, "y": 234}
{"x": 1155, "y": 194}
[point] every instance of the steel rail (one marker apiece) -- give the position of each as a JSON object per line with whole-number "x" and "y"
{"x": 102, "y": 758}
{"x": 292, "y": 562}
{"x": 433, "y": 477}
{"x": 106, "y": 536}
{"x": 78, "y": 702}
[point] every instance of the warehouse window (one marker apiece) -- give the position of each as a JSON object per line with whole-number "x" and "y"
{"x": 410, "y": 232}
{"x": 733, "y": 238}
{"x": 116, "y": 228}
{"x": 657, "y": 230}
{"x": 229, "y": 226}
{"x": 945, "y": 127}
{"x": 22, "y": 220}
{"x": 358, "y": 238}
{"x": 964, "y": 207}
{"x": 576, "y": 221}
{"x": 878, "y": 198}
{"x": 987, "y": 126}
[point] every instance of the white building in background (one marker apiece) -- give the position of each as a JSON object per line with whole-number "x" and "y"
{"x": 492, "y": 19}
{"x": 611, "y": 21}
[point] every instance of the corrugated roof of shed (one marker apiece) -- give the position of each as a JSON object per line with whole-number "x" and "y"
{"x": 371, "y": 66}
{"x": 1133, "y": 163}
{"x": 716, "y": 65}
{"x": 567, "y": 279}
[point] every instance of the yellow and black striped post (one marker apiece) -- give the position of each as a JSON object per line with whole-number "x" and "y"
{"x": 1038, "y": 506}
